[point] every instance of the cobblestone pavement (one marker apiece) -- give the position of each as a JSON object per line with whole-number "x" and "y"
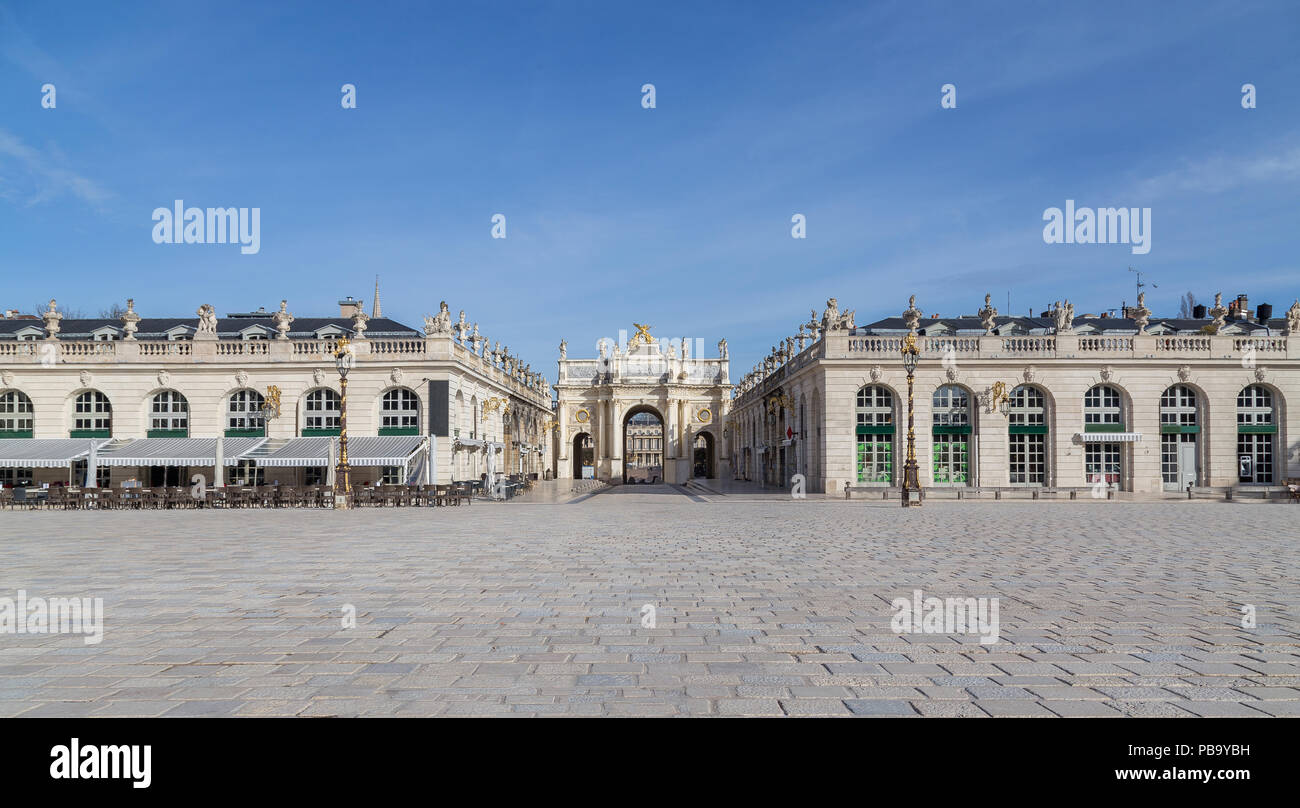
{"x": 762, "y": 608}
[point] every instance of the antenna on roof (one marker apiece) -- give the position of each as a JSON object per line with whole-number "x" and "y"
{"x": 1140, "y": 284}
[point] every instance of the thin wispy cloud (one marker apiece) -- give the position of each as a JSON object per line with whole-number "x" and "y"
{"x": 1219, "y": 173}
{"x": 45, "y": 175}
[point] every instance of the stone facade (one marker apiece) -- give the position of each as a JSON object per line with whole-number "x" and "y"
{"x": 1052, "y": 402}
{"x": 440, "y": 381}
{"x": 689, "y": 394}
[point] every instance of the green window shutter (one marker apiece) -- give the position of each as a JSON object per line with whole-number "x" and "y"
{"x": 1038, "y": 429}
{"x": 168, "y": 433}
{"x": 1103, "y": 427}
{"x": 321, "y": 433}
{"x": 875, "y": 429}
{"x": 951, "y": 430}
{"x": 1256, "y": 429}
{"x": 90, "y": 433}
{"x": 1178, "y": 429}
{"x": 398, "y": 430}
{"x": 245, "y": 433}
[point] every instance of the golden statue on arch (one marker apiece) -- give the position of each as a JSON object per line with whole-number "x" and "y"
{"x": 642, "y": 336}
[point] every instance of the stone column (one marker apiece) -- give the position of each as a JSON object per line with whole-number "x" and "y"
{"x": 1219, "y": 435}
{"x": 1066, "y": 422}
{"x": 616, "y": 442}
{"x": 1144, "y": 418}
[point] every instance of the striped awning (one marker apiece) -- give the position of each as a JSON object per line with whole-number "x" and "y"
{"x": 1109, "y": 437}
{"x": 179, "y": 452}
{"x": 364, "y": 450}
{"x": 44, "y": 453}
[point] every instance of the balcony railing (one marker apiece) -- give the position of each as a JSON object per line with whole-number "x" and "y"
{"x": 1106, "y": 345}
{"x": 1191, "y": 345}
{"x": 155, "y": 349}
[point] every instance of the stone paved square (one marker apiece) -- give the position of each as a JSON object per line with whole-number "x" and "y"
{"x": 763, "y": 606}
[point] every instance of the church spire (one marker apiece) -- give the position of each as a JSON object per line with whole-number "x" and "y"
{"x": 376, "y": 311}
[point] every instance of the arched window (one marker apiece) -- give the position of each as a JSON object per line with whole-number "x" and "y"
{"x": 92, "y": 416}
{"x": 16, "y": 415}
{"x": 1179, "y": 437}
{"x": 321, "y": 412}
{"x": 169, "y": 416}
{"x": 951, "y": 432}
{"x": 875, "y": 433}
{"x": 1027, "y": 436}
{"x": 1256, "y": 435}
{"x": 244, "y": 418}
{"x": 399, "y": 412}
{"x": 1103, "y": 414}
{"x": 1102, "y": 405}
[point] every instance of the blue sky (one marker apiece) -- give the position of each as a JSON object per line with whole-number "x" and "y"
{"x": 677, "y": 216}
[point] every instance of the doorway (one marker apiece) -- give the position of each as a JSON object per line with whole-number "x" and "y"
{"x": 584, "y": 457}
{"x": 643, "y": 446}
{"x": 703, "y": 457}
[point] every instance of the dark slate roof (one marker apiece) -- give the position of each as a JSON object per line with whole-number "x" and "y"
{"x": 227, "y": 328}
{"x": 973, "y": 326}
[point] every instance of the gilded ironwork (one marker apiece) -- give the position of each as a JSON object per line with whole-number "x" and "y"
{"x": 493, "y": 404}
{"x": 642, "y": 336}
{"x": 273, "y": 401}
{"x": 779, "y": 401}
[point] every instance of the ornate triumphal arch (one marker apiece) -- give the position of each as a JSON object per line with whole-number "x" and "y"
{"x": 612, "y": 400}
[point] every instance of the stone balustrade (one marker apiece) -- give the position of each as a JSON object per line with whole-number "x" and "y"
{"x": 886, "y": 350}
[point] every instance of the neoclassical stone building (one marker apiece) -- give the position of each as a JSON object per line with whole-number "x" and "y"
{"x": 687, "y": 393}
{"x": 1138, "y": 403}
{"x": 449, "y": 405}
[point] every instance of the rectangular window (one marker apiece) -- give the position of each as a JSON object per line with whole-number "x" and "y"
{"x": 247, "y": 472}
{"x": 951, "y": 460}
{"x": 15, "y": 478}
{"x": 875, "y": 459}
{"x": 102, "y": 474}
{"x": 1260, "y": 450}
{"x": 1028, "y": 459}
{"x": 1101, "y": 461}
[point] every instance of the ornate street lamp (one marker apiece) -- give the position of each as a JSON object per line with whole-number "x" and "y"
{"x": 911, "y": 481}
{"x": 345, "y": 358}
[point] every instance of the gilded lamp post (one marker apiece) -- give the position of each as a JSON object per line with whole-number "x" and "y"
{"x": 344, "y": 359}
{"x": 911, "y": 481}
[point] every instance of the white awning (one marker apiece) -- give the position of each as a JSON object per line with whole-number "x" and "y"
{"x": 179, "y": 452}
{"x": 364, "y": 450}
{"x": 1109, "y": 437}
{"x": 44, "y": 453}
